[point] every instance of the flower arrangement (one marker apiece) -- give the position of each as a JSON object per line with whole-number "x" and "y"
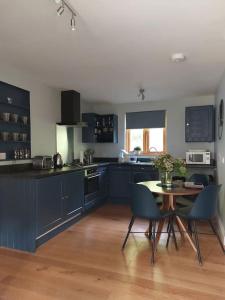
{"x": 167, "y": 163}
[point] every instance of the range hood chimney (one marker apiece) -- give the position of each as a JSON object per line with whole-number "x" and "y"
{"x": 70, "y": 109}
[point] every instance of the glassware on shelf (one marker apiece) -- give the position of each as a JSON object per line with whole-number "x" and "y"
{"x": 15, "y": 136}
{"x": 24, "y": 120}
{"x": 5, "y": 116}
{"x": 5, "y": 136}
{"x": 14, "y": 117}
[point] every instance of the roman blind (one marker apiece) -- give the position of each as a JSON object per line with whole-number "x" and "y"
{"x": 146, "y": 119}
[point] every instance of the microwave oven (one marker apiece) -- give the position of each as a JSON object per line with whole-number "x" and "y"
{"x": 198, "y": 157}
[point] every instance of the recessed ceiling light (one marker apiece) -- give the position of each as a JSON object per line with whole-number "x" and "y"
{"x": 178, "y": 57}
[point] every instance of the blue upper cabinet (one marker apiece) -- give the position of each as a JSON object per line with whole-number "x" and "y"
{"x": 14, "y": 122}
{"x": 100, "y": 129}
{"x": 200, "y": 124}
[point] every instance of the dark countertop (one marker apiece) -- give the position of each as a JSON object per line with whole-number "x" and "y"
{"x": 30, "y": 173}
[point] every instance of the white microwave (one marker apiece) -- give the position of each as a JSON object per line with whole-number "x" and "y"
{"x": 198, "y": 157}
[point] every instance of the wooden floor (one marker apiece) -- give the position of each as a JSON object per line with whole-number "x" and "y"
{"x": 86, "y": 262}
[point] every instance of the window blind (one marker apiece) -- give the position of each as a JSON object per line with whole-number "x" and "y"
{"x": 146, "y": 119}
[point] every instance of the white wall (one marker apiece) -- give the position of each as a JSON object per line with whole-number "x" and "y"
{"x": 220, "y": 149}
{"x": 175, "y": 124}
{"x": 45, "y": 108}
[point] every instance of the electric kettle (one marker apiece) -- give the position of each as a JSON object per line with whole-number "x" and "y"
{"x": 57, "y": 161}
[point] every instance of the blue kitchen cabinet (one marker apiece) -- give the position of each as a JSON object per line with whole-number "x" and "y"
{"x": 72, "y": 194}
{"x": 200, "y": 124}
{"x": 144, "y": 173}
{"x": 103, "y": 183}
{"x": 88, "y": 133}
{"x": 120, "y": 178}
{"x": 100, "y": 128}
{"x": 49, "y": 203}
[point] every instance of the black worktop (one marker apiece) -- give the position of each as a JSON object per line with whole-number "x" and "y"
{"x": 26, "y": 171}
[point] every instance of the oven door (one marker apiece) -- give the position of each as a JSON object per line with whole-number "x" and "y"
{"x": 91, "y": 184}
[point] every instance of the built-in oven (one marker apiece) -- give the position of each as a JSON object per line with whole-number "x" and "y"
{"x": 91, "y": 183}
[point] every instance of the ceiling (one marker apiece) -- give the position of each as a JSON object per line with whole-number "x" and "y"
{"x": 119, "y": 45}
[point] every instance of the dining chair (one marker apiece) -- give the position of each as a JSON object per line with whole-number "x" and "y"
{"x": 198, "y": 179}
{"x": 142, "y": 177}
{"x": 203, "y": 209}
{"x": 143, "y": 205}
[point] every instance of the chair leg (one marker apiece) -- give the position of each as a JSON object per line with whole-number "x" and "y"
{"x": 129, "y": 230}
{"x": 173, "y": 232}
{"x": 217, "y": 235}
{"x": 150, "y": 229}
{"x": 189, "y": 227}
{"x": 153, "y": 242}
{"x": 197, "y": 242}
{"x": 169, "y": 232}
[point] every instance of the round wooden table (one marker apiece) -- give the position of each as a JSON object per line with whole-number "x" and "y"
{"x": 169, "y": 202}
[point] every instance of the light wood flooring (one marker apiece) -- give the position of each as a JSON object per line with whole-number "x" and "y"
{"x": 86, "y": 262}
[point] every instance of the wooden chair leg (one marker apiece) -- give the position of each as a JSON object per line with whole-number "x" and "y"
{"x": 217, "y": 235}
{"x": 129, "y": 230}
{"x": 197, "y": 242}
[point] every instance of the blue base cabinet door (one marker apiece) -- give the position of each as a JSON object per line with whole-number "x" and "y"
{"x": 49, "y": 203}
{"x": 119, "y": 184}
{"x": 73, "y": 194}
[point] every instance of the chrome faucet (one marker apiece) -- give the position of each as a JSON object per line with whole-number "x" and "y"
{"x": 153, "y": 148}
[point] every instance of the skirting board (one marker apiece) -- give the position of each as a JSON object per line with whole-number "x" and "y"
{"x": 221, "y": 231}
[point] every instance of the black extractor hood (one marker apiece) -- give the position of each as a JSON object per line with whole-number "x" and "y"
{"x": 70, "y": 109}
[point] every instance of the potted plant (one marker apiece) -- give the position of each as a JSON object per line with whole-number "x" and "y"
{"x": 137, "y": 150}
{"x": 169, "y": 166}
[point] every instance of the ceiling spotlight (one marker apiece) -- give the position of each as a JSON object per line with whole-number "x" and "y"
{"x": 141, "y": 94}
{"x": 72, "y": 22}
{"x": 178, "y": 57}
{"x": 60, "y": 10}
{"x": 57, "y": 1}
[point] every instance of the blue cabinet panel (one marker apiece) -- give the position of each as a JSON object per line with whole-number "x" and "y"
{"x": 49, "y": 203}
{"x": 17, "y": 214}
{"x": 73, "y": 193}
{"x": 200, "y": 124}
{"x": 119, "y": 180}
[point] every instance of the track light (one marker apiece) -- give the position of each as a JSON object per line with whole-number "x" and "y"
{"x": 60, "y": 10}
{"x": 72, "y": 22}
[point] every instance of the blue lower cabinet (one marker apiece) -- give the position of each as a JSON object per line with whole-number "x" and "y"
{"x": 72, "y": 194}
{"x": 60, "y": 199}
{"x": 119, "y": 180}
{"x": 49, "y": 203}
{"x": 17, "y": 214}
{"x": 103, "y": 183}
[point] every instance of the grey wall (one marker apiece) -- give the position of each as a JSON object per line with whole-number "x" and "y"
{"x": 175, "y": 124}
{"x": 220, "y": 149}
{"x": 45, "y": 109}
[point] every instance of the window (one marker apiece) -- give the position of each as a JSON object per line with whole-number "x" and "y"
{"x": 150, "y": 140}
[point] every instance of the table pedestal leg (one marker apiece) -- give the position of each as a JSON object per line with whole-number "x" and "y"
{"x": 181, "y": 226}
{"x": 165, "y": 206}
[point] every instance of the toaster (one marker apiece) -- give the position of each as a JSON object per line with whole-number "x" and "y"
{"x": 42, "y": 162}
